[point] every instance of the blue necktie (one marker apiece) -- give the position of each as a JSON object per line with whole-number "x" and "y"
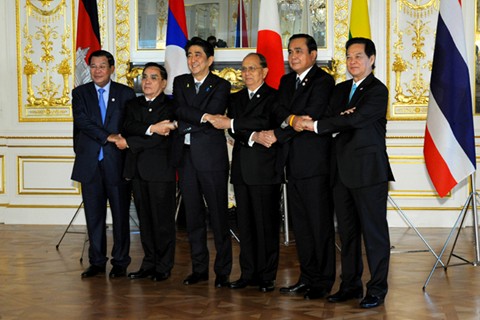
{"x": 103, "y": 112}
{"x": 297, "y": 83}
{"x": 354, "y": 87}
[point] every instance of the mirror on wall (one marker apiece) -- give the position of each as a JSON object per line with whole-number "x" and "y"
{"x": 218, "y": 18}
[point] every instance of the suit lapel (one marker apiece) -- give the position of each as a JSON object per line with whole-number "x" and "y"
{"x": 359, "y": 92}
{"x": 95, "y": 103}
{"x": 111, "y": 103}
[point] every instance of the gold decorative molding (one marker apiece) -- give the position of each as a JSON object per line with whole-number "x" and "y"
{"x": 410, "y": 41}
{"x": 44, "y": 59}
{"x": 2, "y": 185}
{"x": 340, "y": 36}
{"x": 122, "y": 40}
{"x": 54, "y": 161}
{"x": 234, "y": 76}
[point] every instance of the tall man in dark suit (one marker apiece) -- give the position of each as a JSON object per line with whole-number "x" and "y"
{"x": 306, "y": 91}
{"x": 148, "y": 121}
{"x": 200, "y": 152}
{"x": 253, "y": 175}
{"x": 360, "y": 175}
{"x": 98, "y": 114}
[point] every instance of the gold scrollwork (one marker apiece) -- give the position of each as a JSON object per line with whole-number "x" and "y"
{"x": 122, "y": 43}
{"x": 418, "y": 10}
{"x": 46, "y": 16}
{"x": 411, "y": 97}
{"x": 234, "y": 76}
{"x": 340, "y": 37}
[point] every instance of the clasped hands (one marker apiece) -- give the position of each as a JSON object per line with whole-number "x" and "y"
{"x": 162, "y": 128}
{"x": 266, "y": 138}
{"x": 300, "y": 123}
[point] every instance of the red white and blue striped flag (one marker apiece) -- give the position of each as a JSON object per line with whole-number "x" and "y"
{"x": 177, "y": 37}
{"x": 241, "y": 36}
{"x": 449, "y": 147}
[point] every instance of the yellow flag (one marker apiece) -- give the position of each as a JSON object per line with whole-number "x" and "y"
{"x": 359, "y": 20}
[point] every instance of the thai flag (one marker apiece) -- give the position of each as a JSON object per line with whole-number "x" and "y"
{"x": 177, "y": 37}
{"x": 269, "y": 41}
{"x": 449, "y": 148}
{"x": 241, "y": 39}
{"x": 88, "y": 39}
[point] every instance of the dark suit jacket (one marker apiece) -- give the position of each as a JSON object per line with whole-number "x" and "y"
{"x": 253, "y": 165}
{"x": 307, "y": 154}
{"x": 148, "y": 157}
{"x": 208, "y": 145}
{"x": 360, "y": 148}
{"x": 90, "y": 134}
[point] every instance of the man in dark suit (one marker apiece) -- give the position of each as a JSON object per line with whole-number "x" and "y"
{"x": 148, "y": 121}
{"x": 200, "y": 153}
{"x": 98, "y": 114}
{"x": 306, "y": 91}
{"x": 254, "y": 177}
{"x": 360, "y": 174}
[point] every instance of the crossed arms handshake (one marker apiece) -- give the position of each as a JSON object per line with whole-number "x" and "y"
{"x": 162, "y": 128}
{"x": 266, "y": 138}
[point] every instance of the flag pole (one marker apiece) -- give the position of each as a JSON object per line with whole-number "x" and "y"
{"x": 471, "y": 200}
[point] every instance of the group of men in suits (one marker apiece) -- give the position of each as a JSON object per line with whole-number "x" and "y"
{"x": 278, "y": 134}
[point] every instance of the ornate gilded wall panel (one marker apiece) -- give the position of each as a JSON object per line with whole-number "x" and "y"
{"x": 45, "y": 59}
{"x": 410, "y": 42}
{"x": 340, "y": 37}
{"x": 122, "y": 40}
{"x": 40, "y": 175}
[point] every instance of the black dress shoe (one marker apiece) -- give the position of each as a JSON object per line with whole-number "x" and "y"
{"x": 140, "y": 274}
{"x": 315, "y": 293}
{"x": 344, "y": 295}
{"x": 160, "y": 276}
{"x": 267, "y": 286}
{"x": 240, "y": 284}
{"x": 298, "y": 287}
{"x": 222, "y": 281}
{"x": 92, "y": 271}
{"x": 118, "y": 272}
{"x": 195, "y": 278}
{"x": 371, "y": 301}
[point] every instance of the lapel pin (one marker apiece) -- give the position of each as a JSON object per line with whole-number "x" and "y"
{"x": 150, "y": 110}
{"x": 188, "y": 85}
{"x": 113, "y": 99}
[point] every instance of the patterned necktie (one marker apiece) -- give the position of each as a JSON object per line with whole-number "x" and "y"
{"x": 354, "y": 87}
{"x": 197, "y": 86}
{"x": 297, "y": 83}
{"x": 103, "y": 112}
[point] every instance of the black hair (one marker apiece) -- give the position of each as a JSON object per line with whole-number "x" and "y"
{"x": 205, "y": 45}
{"x": 368, "y": 44}
{"x": 311, "y": 43}
{"x": 103, "y": 53}
{"x": 163, "y": 71}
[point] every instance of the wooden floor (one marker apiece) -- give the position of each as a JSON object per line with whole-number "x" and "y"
{"x": 39, "y": 282}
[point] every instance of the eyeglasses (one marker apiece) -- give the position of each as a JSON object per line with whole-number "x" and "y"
{"x": 249, "y": 69}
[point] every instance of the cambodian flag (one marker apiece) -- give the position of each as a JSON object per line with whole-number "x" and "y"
{"x": 241, "y": 39}
{"x": 88, "y": 39}
{"x": 449, "y": 148}
{"x": 269, "y": 41}
{"x": 177, "y": 37}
